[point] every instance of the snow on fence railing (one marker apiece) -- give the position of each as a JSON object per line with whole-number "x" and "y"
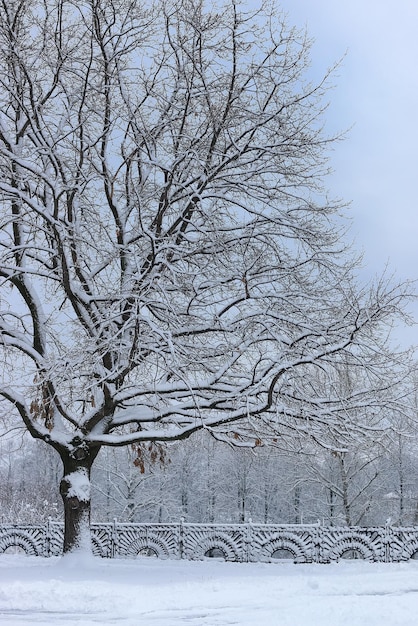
{"x": 232, "y": 542}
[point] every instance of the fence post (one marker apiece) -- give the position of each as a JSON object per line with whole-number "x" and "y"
{"x": 318, "y": 556}
{"x": 181, "y": 538}
{"x": 387, "y": 542}
{"x": 114, "y": 538}
{"x": 248, "y": 540}
{"x": 47, "y": 545}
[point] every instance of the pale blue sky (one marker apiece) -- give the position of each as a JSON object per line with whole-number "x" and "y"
{"x": 376, "y": 93}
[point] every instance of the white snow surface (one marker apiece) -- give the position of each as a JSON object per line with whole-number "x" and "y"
{"x": 151, "y": 592}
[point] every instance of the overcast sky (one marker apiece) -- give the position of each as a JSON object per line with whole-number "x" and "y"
{"x": 376, "y": 93}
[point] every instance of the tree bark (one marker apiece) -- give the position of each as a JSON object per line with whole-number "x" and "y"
{"x": 75, "y": 489}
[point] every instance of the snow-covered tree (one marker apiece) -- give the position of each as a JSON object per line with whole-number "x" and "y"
{"x": 119, "y": 486}
{"x": 28, "y": 475}
{"x": 170, "y": 260}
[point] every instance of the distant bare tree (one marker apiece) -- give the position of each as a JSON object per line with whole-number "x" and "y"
{"x": 169, "y": 258}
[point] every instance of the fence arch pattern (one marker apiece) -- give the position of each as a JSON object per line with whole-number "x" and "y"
{"x": 234, "y": 542}
{"x": 23, "y": 539}
{"x": 209, "y": 539}
{"x": 297, "y": 547}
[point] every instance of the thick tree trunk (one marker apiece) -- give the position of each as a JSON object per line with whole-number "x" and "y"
{"x": 76, "y": 495}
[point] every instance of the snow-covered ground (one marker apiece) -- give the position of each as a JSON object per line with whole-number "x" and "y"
{"x": 152, "y": 592}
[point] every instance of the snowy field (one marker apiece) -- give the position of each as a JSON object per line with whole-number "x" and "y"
{"x": 150, "y": 592}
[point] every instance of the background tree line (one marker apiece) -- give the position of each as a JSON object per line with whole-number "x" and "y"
{"x": 204, "y": 481}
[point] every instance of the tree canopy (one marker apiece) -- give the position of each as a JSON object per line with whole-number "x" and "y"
{"x": 170, "y": 259}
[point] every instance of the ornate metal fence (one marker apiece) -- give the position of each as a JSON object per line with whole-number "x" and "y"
{"x": 232, "y": 542}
